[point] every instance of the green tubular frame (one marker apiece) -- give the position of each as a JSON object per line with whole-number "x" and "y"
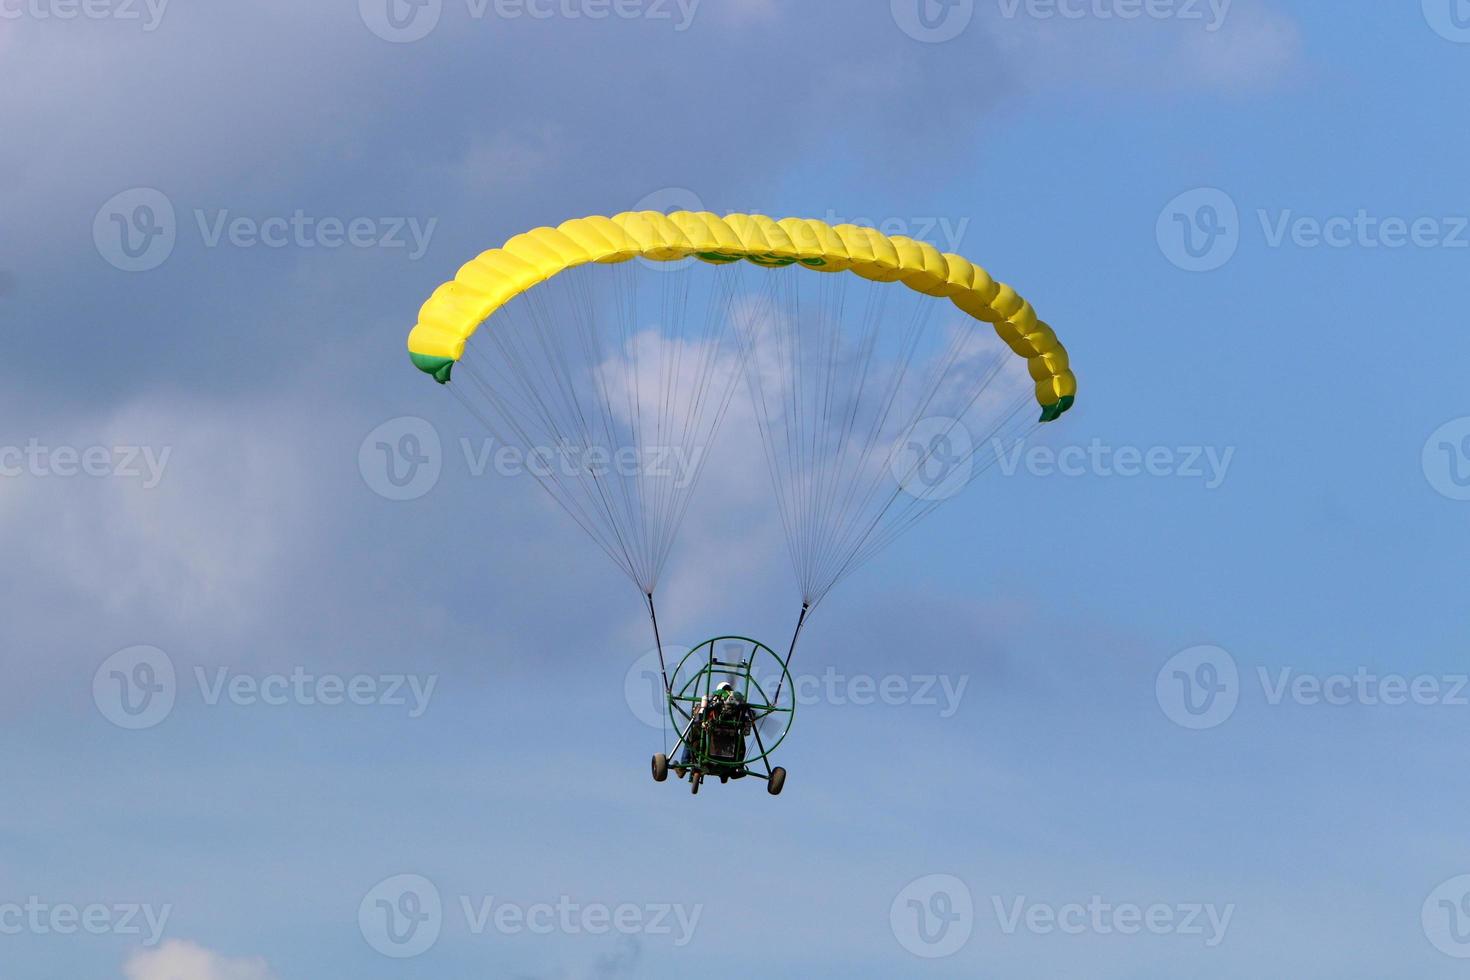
{"x": 689, "y": 694}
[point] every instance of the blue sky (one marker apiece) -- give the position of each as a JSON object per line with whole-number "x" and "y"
{"x": 1068, "y": 766}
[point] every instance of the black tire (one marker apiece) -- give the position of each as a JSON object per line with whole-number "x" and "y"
{"x": 776, "y": 782}
{"x": 660, "y": 768}
{"x": 694, "y": 782}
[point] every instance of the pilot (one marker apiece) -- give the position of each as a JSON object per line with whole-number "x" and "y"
{"x": 726, "y": 708}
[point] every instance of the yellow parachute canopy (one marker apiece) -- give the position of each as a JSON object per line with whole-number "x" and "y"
{"x": 484, "y": 284}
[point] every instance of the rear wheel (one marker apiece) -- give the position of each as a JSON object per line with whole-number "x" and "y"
{"x": 660, "y": 768}
{"x": 777, "y": 780}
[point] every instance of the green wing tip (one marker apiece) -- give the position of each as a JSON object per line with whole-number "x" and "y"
{"x": 1052, "y": 412}
{"x": 438, "y": 368}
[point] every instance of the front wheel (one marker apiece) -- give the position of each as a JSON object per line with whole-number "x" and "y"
{"x": 660, "y": 768}
{"x": 777, "y": 780}
{"x": 694, "y": 781}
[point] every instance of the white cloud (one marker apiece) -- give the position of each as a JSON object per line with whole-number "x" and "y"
{"x": 181, "y": 960}
{"x": 1253, "y": 51}
{"x": 1244, "y": 49}
{"x": 509, "y": 160}
{"x": 190, "y": 520}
